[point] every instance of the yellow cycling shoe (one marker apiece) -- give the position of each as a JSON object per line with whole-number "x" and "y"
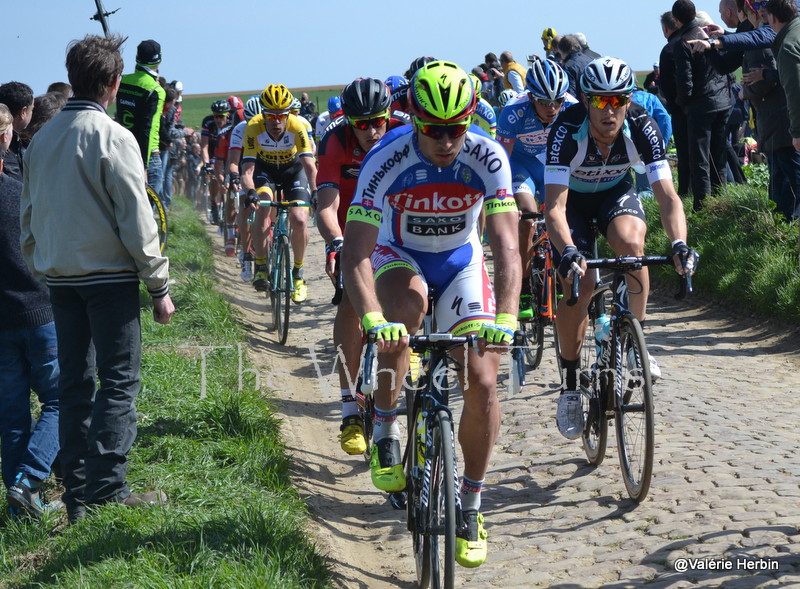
{"x": 471, "y": 544}
{"x": 352, "y": 436}
{"x": 300, "y": 292}
{"x": 386, "y": 466}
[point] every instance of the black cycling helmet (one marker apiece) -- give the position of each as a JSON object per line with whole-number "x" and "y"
{"x": 417, "y": 64}
{"x": 364, "y": 97}
{"x": 220, "y": 107}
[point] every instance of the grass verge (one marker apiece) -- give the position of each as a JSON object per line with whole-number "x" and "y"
{"x": 234, "y": 519}
{"x": 749, "y": 255}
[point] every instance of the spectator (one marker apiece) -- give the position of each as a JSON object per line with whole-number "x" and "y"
{"x": 514, "y": 72}
{"x": 782, "y": 17}
{"x": 574, "y": 61}
{"x": 494, "y": 70}
{"x": 307, "y": 108}
{"x": 28, "y": 358}
{"x": 140, "y": 103}
{"x": 585, "y": 46}
{"x": 168, "y": 132}
{"x": 18, "y": 97}
{"x": 87, "y": 229}
{"x": 549, "y": 42}
{"x": 62, "y": 88}
{"x": 45, "y": 107}
{"x": 178, "y": 85}
{"x": 651, "y": 80}
{"x": 667, "y": 83}
{"x": 704, "y": 96}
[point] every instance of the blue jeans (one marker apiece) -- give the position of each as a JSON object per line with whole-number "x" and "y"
{"x": 99, "y": 337}
{"x": 155, "y": 173}
{"x": 28, "y": 360}
{"x": 166, "y": 190}
{"x": 784, "y": 180}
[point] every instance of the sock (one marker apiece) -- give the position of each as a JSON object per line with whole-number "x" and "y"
{"x": 471, "y": 494}
{"x": 571, "y": 369}
{"x": 386, "y": 425}
{"x": 297, "y": 271}
{"x": 349, "y": 405}
{"x": 261, "y": 260}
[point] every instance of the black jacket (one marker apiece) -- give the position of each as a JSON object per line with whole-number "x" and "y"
{"x": 700, "y": 87}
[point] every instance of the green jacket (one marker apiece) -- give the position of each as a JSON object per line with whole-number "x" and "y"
{"x": 787, "y": 54}
{"x": 140, "y": 100}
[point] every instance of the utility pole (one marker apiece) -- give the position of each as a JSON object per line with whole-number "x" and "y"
{"x": 101, "y": 16}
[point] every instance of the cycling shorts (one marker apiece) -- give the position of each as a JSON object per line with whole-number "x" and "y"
{"x": 527, "y": 176}
{"x": 291, "y": 180}
{"x": 463, "y": 295}
{"x": 606, "y": 206}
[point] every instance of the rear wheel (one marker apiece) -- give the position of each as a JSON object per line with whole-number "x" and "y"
{"x": 634, "y": 410}
{"x": 533, "y": 329}
{"x": 160, "y": 217}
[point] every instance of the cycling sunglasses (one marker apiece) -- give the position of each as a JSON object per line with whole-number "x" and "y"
{"x": 549, "y": 103}
{"x": 362, "y": 124}
{"x": 276, "y": 116}
{"x": 603, "y": 102}
{"x": 758, "y": 5}
{"x": 437, "y": 131}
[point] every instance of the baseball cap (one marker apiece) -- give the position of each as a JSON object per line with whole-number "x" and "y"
{"x": 148, "y": 53}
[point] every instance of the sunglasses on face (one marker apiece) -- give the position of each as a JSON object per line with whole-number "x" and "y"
{"x": 758, "y": 5}
{"x": 364, "y": 124}
{"x": 437, "y": 131}
{"x": 603, "y": 102}
{"x": 549, "y": 103}
{"x": 276, "y": 116}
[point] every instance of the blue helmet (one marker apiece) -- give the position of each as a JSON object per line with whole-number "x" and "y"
{"x": 334, "y": 104}
{"x": 546, "y": 80}
{"x": 395, "y": 82}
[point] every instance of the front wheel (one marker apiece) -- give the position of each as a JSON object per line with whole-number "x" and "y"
{"x": 634, "y": 410}
{"x": 160, "y": 217}
{"x": 441, "y": 516}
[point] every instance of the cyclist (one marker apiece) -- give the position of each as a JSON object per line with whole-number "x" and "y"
{"x": 412, "y": 223}
{"x": 484, "y": 113}
{"x": 237, "y": 109}
{"x": 277, "y": 153}
{"x": 213, "y": 126}
{"x": 236, "y": 137}
{"x": 400, "y": 94}
{"x": 590, "y": 152}
{"x": 365, "y": 104}
{"x": 523, "y": 128}
{"x": 325, "y": 119}
{"x": 295, "y": 110}
{"x": 395, "y": 82}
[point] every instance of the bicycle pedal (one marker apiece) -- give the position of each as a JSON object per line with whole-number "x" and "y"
{"x": 398, "y": 499}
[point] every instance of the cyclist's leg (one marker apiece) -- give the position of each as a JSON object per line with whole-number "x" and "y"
{"x": 622, "y": 221}
{"x": 296, "y": 187}
{"x": 347, "y": 341}
{"x": 260, "y": 227}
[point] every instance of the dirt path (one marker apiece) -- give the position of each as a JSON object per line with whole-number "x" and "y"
{"x": 725, "y": 481}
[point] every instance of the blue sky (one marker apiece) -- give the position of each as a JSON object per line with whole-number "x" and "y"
{"x": 211, "y": 48}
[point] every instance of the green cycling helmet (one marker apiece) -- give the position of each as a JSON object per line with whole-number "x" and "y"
{"x": 441, "y": 92}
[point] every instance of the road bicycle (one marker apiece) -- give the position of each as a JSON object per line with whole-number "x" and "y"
{"x": 432, "y": 499}
{"x": 160, "y": 216}
{"x": 227, "y": 220}
{"x": 544, "y": 295}
{"x": 614, "y": 380}
{"x": 279, "y": 264}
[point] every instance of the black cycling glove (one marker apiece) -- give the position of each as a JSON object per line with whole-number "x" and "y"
{"x": 569, "y": 256}
{"x": 688, "y": 257}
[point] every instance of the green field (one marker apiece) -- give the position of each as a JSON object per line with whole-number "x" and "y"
{"x": 197, "y": 106}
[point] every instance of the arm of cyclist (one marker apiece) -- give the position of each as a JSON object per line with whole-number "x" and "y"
{"x": 673, "y": 220}
{"x": 248, "y": 184}
{"x": 310, "y": 167}
{"x": 555, "y": 215}
{"x": 328, "y": 225}
{"x": 504, "y": 242}
{"x": 357, "y": 268}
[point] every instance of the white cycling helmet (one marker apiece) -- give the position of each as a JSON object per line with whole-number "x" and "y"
{"x": 607, "y": 76}
{"x": 546, "y": 80}
{"x": 252, "y": 107}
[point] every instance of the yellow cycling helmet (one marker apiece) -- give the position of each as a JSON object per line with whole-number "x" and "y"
{"x": 547, "y": 36}
{"x": 276, "y": 97}
{"x": 441, "y": 92}
{"x": 476, "y": 81}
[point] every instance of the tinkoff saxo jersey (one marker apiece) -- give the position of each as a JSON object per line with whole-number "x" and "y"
{"x": 425, "y": 208}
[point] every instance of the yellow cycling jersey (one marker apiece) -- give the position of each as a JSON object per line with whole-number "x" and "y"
{"x": 280, "y": 152}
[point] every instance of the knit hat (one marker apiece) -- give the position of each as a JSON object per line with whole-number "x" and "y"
{"x": 148, "y": 53}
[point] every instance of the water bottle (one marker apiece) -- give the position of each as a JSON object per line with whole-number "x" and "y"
{"x": 602, "y": 333}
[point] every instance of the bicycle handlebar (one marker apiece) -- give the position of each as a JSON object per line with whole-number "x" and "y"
{"x": 628, "y": 263}
{"x": 283, "y": 204}
{"x": 532, "y": 215}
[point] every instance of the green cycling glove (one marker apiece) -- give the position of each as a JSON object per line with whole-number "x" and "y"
{"x": 501, "y": 331}
{"x": 383, "y": 329}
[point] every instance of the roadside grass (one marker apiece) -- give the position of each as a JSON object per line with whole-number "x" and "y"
{"x": 749, "y": 254}
{"x": 233, "y": 519}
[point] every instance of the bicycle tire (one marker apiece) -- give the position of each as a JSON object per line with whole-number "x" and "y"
{"x": 366, "y": 411}
{"x": 442, "y": 513}
{"x": 594, "y": 388}
{"x": 634, "y": 412}
{"x": 284, "y": 289}
{"x": 160, "y": 217}
{"x": 415, "y": 518}
{"x": 533, "y": 330}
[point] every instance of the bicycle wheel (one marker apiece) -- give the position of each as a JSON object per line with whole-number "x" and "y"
{"x": 533, "y": 329}
{"x": 415, "y": 461}
{"x": 594, "y": 392}
{"x": 441, "y": 516}
{"x": 634, "y": 409}
{"x": 366, "y": 411}
{"x": 283, "y": 288}
{"x": 160, "y": 217}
